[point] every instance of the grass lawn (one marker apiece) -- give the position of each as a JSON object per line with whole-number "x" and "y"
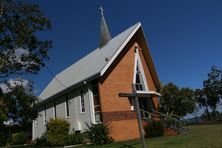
{"x": 201, "y": 136}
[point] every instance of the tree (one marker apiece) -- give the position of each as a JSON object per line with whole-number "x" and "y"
{"x": 188, "y": 100}
{"x": 21, "y": 50}
{"x": 201, "y": 99}
{"x": 177, "y": 101}
{"x": 212, "y": 87}
{"x": 211, "y": 93}
{"x": 3, "y": 109}
{"x": 21, "y": 103}
{"x": 17, "y": 107}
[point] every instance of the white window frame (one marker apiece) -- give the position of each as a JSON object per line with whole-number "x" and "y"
{"x": 67, "y": 109}
{"x": 36, "y": 123}
{"x": 138, "y": 60}
{"x": 54, "y": 110}
{"x": 82, "y": 94}
{"x": 44, "y": 115}
{"x": 92, "y": 111}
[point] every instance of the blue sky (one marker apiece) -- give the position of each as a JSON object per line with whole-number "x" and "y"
{"x": 185, "y": 37}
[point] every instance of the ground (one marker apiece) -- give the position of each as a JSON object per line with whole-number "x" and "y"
{"x": 201, "y": 136}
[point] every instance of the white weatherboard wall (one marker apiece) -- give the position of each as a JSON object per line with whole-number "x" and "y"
{"x": 76, "y": 119}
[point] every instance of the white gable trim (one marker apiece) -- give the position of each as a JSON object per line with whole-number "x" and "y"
{"x": 138, "y": 59}
{"x": 119, "y": 50}
{"x": 142, "y": 70}
{"x": 135, "y": 63}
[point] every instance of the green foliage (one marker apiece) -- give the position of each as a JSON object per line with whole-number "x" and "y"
{"x": 201, "y": 136}
{"x": 212, "y": 87}
{"x": 99, "y": 134}
{"x": 20, "y": 102}
{"x": 21, "y": 51}
{"x": 19, "y": 24}
{"x": 57, "y": 132}
{"x": 72, "y": 139}
{"x": 171, "y": 121}
{"x": 211, "y": 93}
{"x": 179, "y": 101}
{"x": 75, "y": 138}
{"x": 202, "y": 101}
{"x": 3, "y": 109}
{"x": 19, "y": 138}
{"x": 154, "y": 129}
{"x": 17, "y": 105}
{"x": 41, "y": 141}
{"x": 2, "y": 138}
{"x": 214, "y": 115}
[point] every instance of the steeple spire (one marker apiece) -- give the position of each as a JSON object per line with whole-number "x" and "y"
{"x": 104, "y": 31}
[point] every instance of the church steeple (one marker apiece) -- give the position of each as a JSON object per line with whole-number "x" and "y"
{"x": 104, "y": 31}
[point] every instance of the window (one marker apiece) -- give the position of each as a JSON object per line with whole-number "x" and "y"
{"x": 67, "y": 107}
{"x": 139, "y": 79}
{"x": 54, "y": 110}
{"x": 146, "y": 104}
{"x": 44, "y": 115}
{"x": 96, "y": 101}
{"x": 82, "y": 102}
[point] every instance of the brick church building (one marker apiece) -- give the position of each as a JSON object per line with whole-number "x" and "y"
{"x": 94, "y": 83}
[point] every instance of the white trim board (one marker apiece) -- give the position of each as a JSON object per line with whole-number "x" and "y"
{"x": 149, "y": 92}
{"x": 91, "y": 106}
{"x": 119, "y": 50}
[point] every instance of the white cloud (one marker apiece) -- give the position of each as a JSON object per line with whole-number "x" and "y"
{"x": 13, "y": 82}
{"x": 19, "y": 52}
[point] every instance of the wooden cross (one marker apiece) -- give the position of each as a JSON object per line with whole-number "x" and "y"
{"x": 137, "y": 107}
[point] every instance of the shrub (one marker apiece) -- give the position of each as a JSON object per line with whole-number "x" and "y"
{"x": 99, "y": 134}
{"x": 57, "y": 132}
{"x": 2, "y": 139}
{"x": 41, "y": 141}
{"x": 75, "y": 138}
{"x": 19, "y": 138}
{"x": 172, "y": 121}
{"x": 154, "y": 129}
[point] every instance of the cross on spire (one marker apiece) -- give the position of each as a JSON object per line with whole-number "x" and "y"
{"x": 101, "y": 10}
{"x": 104, "y": 30}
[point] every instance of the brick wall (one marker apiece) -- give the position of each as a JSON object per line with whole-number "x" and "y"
{"x": 148, "y": 77}
{"x": 118, "y": 79}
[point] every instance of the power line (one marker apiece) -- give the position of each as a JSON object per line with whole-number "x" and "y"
{"x": 54, "y": 76}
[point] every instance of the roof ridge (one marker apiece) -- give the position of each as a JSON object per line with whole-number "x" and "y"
{"x": 90, "y": 64}
{"x": 96, "y": 50}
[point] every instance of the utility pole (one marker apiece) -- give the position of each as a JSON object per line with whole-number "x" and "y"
{"x": 137, "y": 107}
